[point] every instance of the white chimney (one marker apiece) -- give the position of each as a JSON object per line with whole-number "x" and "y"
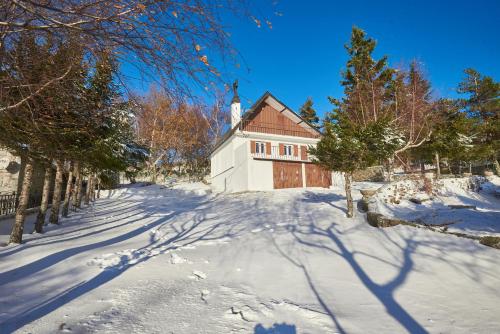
{"x": 235, "y": 106}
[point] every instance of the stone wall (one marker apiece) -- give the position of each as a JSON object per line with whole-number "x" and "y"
{"x": 10, "y": 166}
{"x": 11, "y": 172}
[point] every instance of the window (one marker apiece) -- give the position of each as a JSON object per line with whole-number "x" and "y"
{"x": 287, "y": 150}
{"x": 260, "y": 148}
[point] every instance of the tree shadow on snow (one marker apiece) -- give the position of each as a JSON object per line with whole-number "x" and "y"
{"x": 330, "y": 238}
{"x": 275, "y": 329}
{"x": 170, "y": 236}
{"x": 328, "y": 198}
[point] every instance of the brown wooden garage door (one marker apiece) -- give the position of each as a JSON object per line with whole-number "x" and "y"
{"x": 287, "y": 174}
{"x": 317, "y": 176}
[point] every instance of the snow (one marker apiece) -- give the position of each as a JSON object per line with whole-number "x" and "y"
{"x": 480, "y": 217}
{"x": 181, "y": 259}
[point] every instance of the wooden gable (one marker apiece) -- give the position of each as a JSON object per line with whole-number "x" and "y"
{"x": 267, "y": 119}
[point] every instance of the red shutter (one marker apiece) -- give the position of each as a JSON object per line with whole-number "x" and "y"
{"x": 295, "y": 151}
{"x": 268, "y": 148}
{"x": 282, "y": 149}
{"x": 252, "y": 146}
{"x": 303, "y": 153}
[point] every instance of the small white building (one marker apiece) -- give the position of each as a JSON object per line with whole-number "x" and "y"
{"x": 266, "y": 149}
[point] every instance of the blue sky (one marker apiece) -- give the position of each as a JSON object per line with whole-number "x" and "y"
{"x": 304, "y": 52}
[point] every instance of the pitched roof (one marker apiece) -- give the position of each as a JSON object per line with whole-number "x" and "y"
{"x": 270, "y": 99}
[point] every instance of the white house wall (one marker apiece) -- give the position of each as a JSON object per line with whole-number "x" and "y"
{"x": 234, "y": 169}
{"x": 260, "y": 175}
{"x": 229, "y": 165}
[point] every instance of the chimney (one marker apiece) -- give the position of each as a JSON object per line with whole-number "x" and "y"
{"x": 235, "y": 106}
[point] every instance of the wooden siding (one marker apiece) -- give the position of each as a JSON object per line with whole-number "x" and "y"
{"x": 287, "y": 174}
{"x": 317, "y": 176}
{"x": 269, "y": 120}
{"x": 303, "y": 152}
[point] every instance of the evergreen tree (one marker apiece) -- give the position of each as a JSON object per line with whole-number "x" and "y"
{"x": 358, "y": 132}
{"x": 483, "y": 105}
{"x": 308, "y": 113}
{"x": 366, "y": 80}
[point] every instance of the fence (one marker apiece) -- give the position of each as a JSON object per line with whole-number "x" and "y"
{"x": 8, "y": 203}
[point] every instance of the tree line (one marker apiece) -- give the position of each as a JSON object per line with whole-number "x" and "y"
{"x": 64, "y": 104}
{"x": 389, "y": 115}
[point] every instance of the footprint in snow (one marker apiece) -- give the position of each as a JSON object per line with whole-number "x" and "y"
{"x": 199, "y": 275}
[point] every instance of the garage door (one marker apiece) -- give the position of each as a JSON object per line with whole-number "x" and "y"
{"x": 287, "y": 174}
{"x": 317, "y": 176}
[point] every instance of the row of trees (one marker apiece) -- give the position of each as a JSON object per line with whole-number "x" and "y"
{"x": 78, "y": 124}
{"x": 179, "y": 136}
{"x": 61, "y": 88}
{"x": 389, "y": 114}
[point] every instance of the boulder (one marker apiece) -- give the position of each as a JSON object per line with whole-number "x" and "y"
{"x": 490, "y": 241}
{"x": 379, "y": 220}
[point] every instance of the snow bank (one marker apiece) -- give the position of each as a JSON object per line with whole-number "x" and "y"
{"x": 466, "y": 205}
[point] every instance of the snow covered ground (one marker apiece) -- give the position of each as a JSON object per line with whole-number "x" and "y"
{"x": 480, "y": 214}
{"x": 184, "y": 260}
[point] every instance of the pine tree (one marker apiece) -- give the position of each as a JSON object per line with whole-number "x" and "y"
{"x": 308, "y": 113}
{"x": 483, "y": 105}
{"x": 358, "y": 132}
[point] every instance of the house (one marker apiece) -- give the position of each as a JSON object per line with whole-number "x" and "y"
{"x": 266, "y": 149}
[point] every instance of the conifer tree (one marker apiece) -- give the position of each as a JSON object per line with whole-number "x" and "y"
{"x": 358, "y": 132}
{"x": 308, "y": 113}
{"x": 483, "y": 105}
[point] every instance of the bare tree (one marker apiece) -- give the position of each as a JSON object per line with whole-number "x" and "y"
{"x": 172, "y": 42}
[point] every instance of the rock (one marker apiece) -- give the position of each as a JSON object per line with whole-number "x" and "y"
{"x": 420, "y": 198}
{"x": 379, "y": 220}
{"x": 363, "y": 205}
{"x": 490, "y": 241}
{"x": 460, "y": 206}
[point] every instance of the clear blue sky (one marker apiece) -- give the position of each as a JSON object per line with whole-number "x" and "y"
{"x": 304, "y": 52}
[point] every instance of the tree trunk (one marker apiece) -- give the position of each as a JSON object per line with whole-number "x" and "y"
{"x": 348, "y": 195}
{"x": 422, "y": 167}
{"x": 92, "y": 194}
{"x": 78, "y": 184}
{"x": 78, "y": 194}
{"x": 67, "y": 195}
{"x": 496, "y": 165}
{"x": 98, "y": 188}
{"x": 87, "y": 191}
{"x": 16, "y": 237}
{"x": 56, "y": 198}
{"x": 40, "y": 218}
{"x": 438, "y": 167}
{"x": 390, "y": 169}
{"x": 470, "y": 167}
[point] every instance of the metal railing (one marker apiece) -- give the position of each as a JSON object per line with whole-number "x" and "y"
{"x": 8, "y": 203}
{"x": 274, "y": 156}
